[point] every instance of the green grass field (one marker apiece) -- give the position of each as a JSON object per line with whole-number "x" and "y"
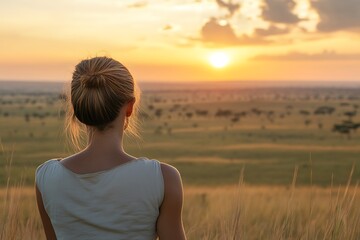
{"x": 209, "y": 135}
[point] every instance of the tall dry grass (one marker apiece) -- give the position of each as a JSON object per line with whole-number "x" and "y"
{"x": 18, "y": 213}
{"x": 19, "y": 216}
{"x": 228, "y": 212}
{"x": 273, "y": 213}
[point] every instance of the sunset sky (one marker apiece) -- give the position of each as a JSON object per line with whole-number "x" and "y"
{"x": 173, "y": 40}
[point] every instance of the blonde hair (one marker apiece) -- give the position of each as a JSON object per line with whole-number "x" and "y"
{"x": 100, "y": 87}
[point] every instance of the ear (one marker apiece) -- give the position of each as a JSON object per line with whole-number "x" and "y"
{"x": 130, "y": 107}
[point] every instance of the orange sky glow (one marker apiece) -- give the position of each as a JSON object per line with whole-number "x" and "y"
{"x": 173, "y": 40}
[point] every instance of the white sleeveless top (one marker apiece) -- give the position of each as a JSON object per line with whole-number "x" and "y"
{"x": 120, "y": 203}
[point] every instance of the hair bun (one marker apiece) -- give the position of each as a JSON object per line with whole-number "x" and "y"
{"x": 94, "y": 80}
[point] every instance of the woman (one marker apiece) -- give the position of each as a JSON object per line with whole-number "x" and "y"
{"x": 102, "y": 192}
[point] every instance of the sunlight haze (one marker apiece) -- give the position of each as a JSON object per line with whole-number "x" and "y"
{"x": 172, "y": 40}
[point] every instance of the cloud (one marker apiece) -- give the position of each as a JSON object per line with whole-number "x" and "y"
{"x": 141, "y": 4}
{"x": 167, "y": 27}
{"x": 272, "y": 30}
{"x": 217, "y": 34}
{"x": 218, "y": 31}
{"x": 337, "y": 14}
{"x": 298, "y": 56}
{"x": 279, "y": 11}
{"x": 212, "y": 31}
{"x": 230, "y": 6}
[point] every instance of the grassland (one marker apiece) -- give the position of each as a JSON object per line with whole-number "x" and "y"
{"x": 298, "y": 177}
{"x": 209, "y": 135}
{"x": 227, "y": 212}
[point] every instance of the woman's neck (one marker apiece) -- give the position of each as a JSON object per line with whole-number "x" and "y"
{"x": 109, "y": 142}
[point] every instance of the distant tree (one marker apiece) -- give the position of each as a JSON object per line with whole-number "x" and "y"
{"x": 151, "y": 107}
{"x": 270, "y": 113}
{"x": 304, "y": 112}
{"x": 256, "y": 111}
{"x": 27, "y": 117}
{"x": 343, "y": 104}
{"x": 202, "y": 113}
{"x": 175, "y": 107}
{"x": 346, "y": 127}
{"x": 158, "y": 112}
{"x": 235, "y": 119}
{"x": 323, "y": 110}
{"x": 240, "y": 114}
{"x": 223, "y": 113}
{"x": 351, "y": 125}
{"x": 350, "y": 114}
{"x": 270, "y": 116}
{"x": 189, "y": 114}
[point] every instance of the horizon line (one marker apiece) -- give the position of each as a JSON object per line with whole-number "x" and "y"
{"x": 195, "y": 85}
{"x": 195, "y": 81}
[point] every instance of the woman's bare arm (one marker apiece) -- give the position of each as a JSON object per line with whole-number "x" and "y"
{"x": 169, "y": 224}
{"x": 48, "y": 228}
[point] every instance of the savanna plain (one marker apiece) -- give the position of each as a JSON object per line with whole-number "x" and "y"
{"x": 257, "y": 163}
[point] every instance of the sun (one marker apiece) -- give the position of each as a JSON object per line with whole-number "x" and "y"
{"x": 219, "y": 59}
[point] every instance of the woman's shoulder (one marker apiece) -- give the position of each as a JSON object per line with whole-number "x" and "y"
{"x": 169, "y": 173}
{"x": 169, "y": 170}
{"x": 166, "y": 168}
{"x": 45, "y": 172}
{"x": 46, "y": 164}
{"x": 47, "y": 168}
{"x": 146, "y": 161}
{"x": 171, "y": 176}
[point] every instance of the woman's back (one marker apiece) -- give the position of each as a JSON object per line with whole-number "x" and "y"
{"x": 76, "y": 197}
{"x": 120, "y": 203}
